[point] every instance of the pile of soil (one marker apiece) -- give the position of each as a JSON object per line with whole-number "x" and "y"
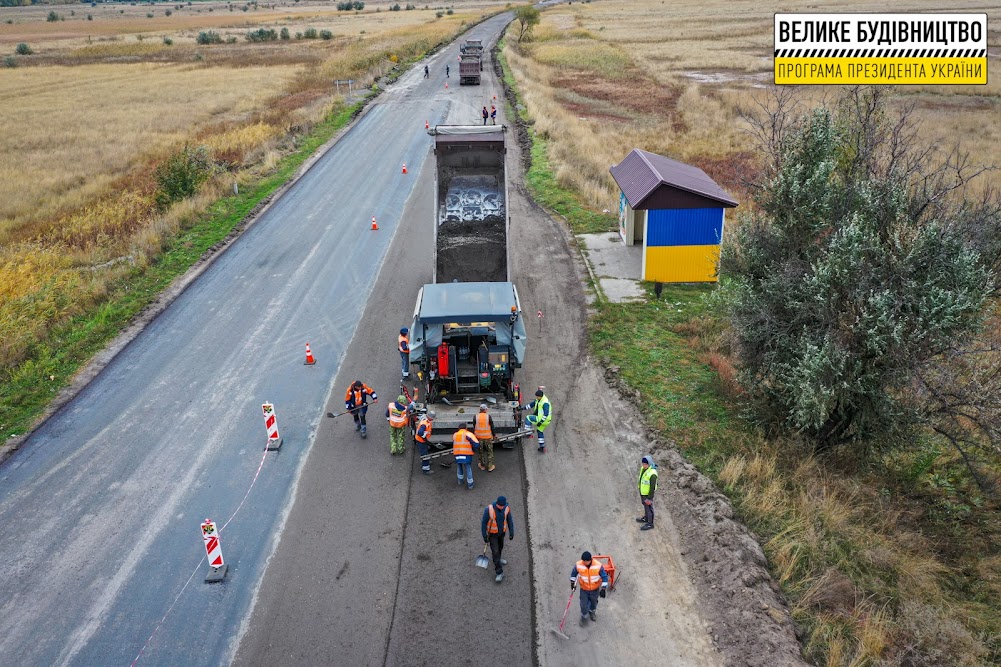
{"x": 472, "y": 251}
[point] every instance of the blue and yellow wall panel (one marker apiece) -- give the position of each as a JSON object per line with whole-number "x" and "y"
{"x": 682, "y": 245}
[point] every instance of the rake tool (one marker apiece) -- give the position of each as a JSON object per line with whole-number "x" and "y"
{"x": 559, "y": 633}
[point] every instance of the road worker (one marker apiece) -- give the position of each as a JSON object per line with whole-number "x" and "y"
{"x": 398, "y": 415}
{"x": 422, "y": 436}
{"x": 483, "y": 429}
{"x": 403, "y": 345}
{"x": 493, "y": 530}
{"x": 540, "y": 413}
{"x": 593, "y": 581}
{"x": 464, "y": 444}
{"x": 356, "y": 402}
{"x": 647, "y": 486}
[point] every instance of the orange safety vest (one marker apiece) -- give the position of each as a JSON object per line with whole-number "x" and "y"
{"x": 427, "y": 433}
{"x": 589, "y": 578}
{"x": 481, "y": 427}
{"x": 397, "y": 417}
{"x": 460, "y": 443}
{"x": 358, "y": 397}
{"x": 403, "y": 340}
{"x": 492, "y": 521}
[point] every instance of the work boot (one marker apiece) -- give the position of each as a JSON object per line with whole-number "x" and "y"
{"x": 641, "y": 519}
{"x": 583, "y": 620}
{"x": 427, "y": 471}
{"x": 364, "y": 431}
{"x": 503, "y": 562}
{"x": 482, "y": 467}
{"x": 542, "y": 450}
{"x": 470, "y": 486}
{"x": 647, "y": 526}
{"x": 357, "y": 426}
{"x": 491, "y": 468}
{"x": 460, "y": 481}
{"x": 499, "y": 578}
{"x": 593, "y": 615}
{"x": 406, "y": 374}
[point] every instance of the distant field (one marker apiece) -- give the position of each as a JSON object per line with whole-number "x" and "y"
{"x": 615, "y": 74}
{"x": 893, "y": 563}
{"x": 97, "y": 104}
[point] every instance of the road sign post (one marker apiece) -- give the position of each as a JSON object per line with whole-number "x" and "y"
{"x": 213, "y": 549}
{"x": 271, "y": 424}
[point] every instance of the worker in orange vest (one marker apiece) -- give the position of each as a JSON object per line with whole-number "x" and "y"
{"x": 422, "y": 436}
{"x": 356, "y": 402}
{"x": 593, "y": 581}
{"x": 464, "y": 444}
{"x": 398, "y": 416}
{"x": 493, "y": 529}
{"x": 483, "y": 429}
{"x": 403, "y": 345}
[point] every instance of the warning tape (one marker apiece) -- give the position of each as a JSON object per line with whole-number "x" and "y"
{"x": 199, "y": 566}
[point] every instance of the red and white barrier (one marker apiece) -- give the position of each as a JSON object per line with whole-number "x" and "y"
{"x": 213, "y": 549}
{"x": 271, "y": 424}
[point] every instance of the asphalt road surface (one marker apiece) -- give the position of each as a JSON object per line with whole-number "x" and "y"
{"x": 101, "y": 558}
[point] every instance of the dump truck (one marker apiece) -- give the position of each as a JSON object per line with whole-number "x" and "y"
{"x": 470, "y": 221}
{"x": 468, "y": 332}
{"x": 469, "y": 70}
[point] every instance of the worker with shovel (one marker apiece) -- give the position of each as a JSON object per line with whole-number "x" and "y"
{"x": 593, "y": 582}
{"x": 356, "y": 402}
{"x": 398, "y": 415}
{"x": 493, "y": 530}
{"x": 540, "y": 413}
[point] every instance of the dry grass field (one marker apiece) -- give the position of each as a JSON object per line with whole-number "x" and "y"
{"x": 108, "y": 93}
{"x": 883, "y": 565}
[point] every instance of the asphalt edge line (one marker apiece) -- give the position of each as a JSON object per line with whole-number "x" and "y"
{"x": 399, "y": 565}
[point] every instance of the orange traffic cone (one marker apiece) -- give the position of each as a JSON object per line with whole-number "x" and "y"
{"x": 426, "y": 126}
{"x": 309, "y": 356}
{"x": 404, "y": 167}
{"x": 495, "y": 97}
{"x": 446, "y": 84}
{"x": 374, "y": 226}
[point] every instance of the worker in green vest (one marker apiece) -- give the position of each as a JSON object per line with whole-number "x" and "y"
{"x": 647, "y": 487}
{"x": 540, "y": 413}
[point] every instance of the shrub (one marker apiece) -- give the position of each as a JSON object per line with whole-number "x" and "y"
{"x": 168, "y": 41}
{"x": 181, "y": 175}
{"x": 149, "y": 15}
{"x": 284, "y": 34}
{"x": 209, "y": 37}
{"x": 52, "y": 17}
{"x": 395, "y": 8}
{"x": 410, "y": 6}
{"x": 298, "y": 35}
{"x": 167, "y": 12}
{"x": 439, "y": 14}
{"x": 310, "y": 33}
{"x": 326, "y": 34}
{"x": 262, "y": 35}
{"x": 23, "y": 49}
{"x": 449, "y": 11}
{"x": 90, "y": 17}
{"x": 231, "y": 40}
{"x": 10, "y": 61}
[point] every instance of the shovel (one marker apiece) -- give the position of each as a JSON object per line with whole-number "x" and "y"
{"x": 489, "y": 399}
{"x": 482, "y": 560}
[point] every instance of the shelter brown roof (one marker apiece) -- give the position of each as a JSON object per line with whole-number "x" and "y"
{"x": 652, "y": 181}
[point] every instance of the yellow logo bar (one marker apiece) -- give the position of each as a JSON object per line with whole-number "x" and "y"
{"x": 900, "y": 71}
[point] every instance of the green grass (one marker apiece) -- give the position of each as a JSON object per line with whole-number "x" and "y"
{"x": 26, "y": 391}
{"x": 540, "y": 180}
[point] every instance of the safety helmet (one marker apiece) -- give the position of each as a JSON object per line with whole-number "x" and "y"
{"x": 431, "y": 414}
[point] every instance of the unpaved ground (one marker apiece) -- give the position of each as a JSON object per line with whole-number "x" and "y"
{"x": 693, "y": 591}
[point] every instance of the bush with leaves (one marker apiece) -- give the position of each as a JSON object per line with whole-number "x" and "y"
{"x": 262, "y": 35}
{"x": 859, "y": 287}
{"x": 326, "y": 34}
{"x": 23, "y": 49}
{"x": 181, "y": 175}
{"x": 284, "y": 34}
{"x": 209, "y": 37}
{"x": 10, "y": 61}
{"x": 52, "y": 17}
{"x": 310, "y": 33}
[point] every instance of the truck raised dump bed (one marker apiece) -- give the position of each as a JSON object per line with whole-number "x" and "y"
{"x": 471, "y": 221}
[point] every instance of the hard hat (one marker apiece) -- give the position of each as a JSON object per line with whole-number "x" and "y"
{"x": 431, "y": 414}
{"x": 404, "y": 331}
{"x": 483, "y": 406}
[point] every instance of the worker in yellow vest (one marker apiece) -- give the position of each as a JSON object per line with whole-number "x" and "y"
{"x": 540, "y": 413}
{"x": 464, "y": 444}
{"x": 483, "y": 429}
{"x": 593, "y": 580}
{"x": 398, "y": 415}
{"x": 647, "y": 487}
{"x": 496, "y": 521}
{"x": 422, "y": 436}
